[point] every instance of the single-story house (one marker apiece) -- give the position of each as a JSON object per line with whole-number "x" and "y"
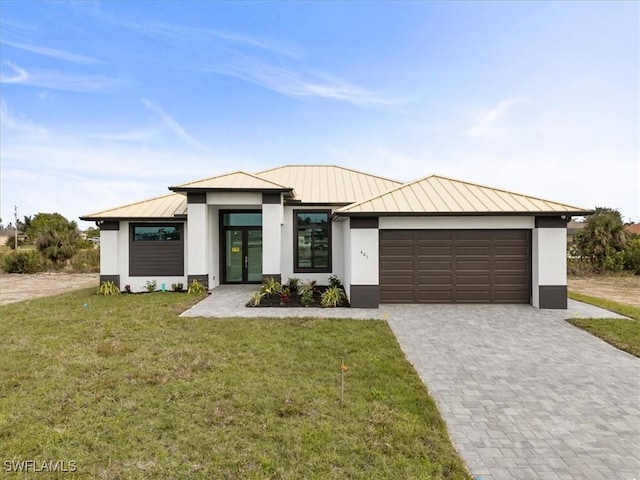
{"x": 432, "y": 240}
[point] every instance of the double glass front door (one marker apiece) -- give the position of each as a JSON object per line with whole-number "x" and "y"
{"x": 242, "y": 233}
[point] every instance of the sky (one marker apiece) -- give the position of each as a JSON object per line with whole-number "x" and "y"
{"x": 107, "y": 103}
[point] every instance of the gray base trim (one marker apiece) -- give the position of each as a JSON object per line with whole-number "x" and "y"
{"x": 110, "y": 278}
{"x": 365, "y": 296}
{"x": 552, "y": 296}
{"x": 204, "y": 279}
{"x": 276, "y": 276}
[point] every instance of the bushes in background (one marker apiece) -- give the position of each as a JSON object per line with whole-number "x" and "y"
{"x": 23, "y": 261}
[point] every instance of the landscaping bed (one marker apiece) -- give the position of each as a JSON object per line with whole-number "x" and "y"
{"x": 296, "y": 293}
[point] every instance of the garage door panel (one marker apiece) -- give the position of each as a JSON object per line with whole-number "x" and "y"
{"x": 455, "y": 266}
{"x": 434, "y": 265}
{"x": 446, "y": 280}
{"x": 464, "y": 265}
{"x": 434, "y": 296}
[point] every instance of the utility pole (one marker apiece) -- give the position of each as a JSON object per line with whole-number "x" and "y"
{"x": 15, "y": 216}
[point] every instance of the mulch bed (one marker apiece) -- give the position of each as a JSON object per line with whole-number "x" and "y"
{"x": 294, "y": 300}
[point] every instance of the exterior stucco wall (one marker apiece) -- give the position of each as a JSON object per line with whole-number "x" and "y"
{"x": 364, "y": 252}
{"x": 198, "y": 245}
{"x": 109, "y": 251}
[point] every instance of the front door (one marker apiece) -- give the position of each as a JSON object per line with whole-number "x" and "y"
{"x": 242, "y": 247}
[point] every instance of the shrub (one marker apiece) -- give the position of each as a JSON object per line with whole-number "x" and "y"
{"x": 334, "y": 281}
{"x": 196, "y": 288}
{"x": 270, "y": 286}
{"x": 256, "y": 298}
{"x": 306, "y": 298}
{"x": 332, "y": 297}
{"x": 177, "y": 287}
{"x": 293, "y": 284}
{"x": 23, "y": 261}
{"x": 307, "y": 287}
{"x": 11, "y": 242}
{"x": 108, "y": 288}
{"x": 632, "y": 256}
{"x": 86, "y": 261}
{"x": 151, "y": 286}
{"x": 285, "y": 296}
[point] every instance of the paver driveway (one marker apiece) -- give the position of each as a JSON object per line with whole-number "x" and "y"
{"x": 525, "y": 394}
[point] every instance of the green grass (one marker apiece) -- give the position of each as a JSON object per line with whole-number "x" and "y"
{"x": 127, "y": 389}
{"x": 621, "y": 333}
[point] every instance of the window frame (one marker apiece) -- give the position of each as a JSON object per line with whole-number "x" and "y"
{"x": 296, "y": 267}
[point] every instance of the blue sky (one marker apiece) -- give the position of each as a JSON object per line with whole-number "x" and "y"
{"x": 106, "y": 103}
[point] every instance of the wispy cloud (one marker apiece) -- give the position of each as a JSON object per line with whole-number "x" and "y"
{"x": 292, "y": 83}
{"x": 172, "y": 124}
{"x": 11, "y": 123}
{"x": 60, "y": 81}
{"x": 51, "y": 52}
{"x": 490, "y": 123}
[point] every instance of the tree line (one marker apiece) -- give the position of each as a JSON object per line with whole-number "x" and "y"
{"x": 604, "y": 245}
{"x": 57, "y": 243}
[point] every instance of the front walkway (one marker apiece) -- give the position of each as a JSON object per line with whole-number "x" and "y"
{"x": 525, "y": 395}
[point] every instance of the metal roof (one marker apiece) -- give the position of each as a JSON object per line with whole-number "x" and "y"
{"x": 328, "y": 184}
{"x": 167, "y": 206}
{"x": 442, "y": 195}
{"x": 232, "y": 181}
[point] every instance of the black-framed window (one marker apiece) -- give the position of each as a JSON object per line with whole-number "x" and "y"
{"x": 156, "y": 249}
{"x": 312, "y": 241}
{"x": 152, "y": 233}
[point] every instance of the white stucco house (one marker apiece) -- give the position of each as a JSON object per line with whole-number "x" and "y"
{"x": 432, "y": 240}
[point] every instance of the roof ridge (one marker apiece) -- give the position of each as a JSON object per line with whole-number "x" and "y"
{"x": 330, "y": 165}
{"x": 510, "y": 192}
{"x": 229, "y": 174}
{"x": 391, "y": 190}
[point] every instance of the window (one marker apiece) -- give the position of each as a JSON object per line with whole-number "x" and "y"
{"x": 312, "y": 241}
{"x": 157, "y": 232}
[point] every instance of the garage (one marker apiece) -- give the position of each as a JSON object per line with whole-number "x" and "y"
{"x": 455, "y": 266}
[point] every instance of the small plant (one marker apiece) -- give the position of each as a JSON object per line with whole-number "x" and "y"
{"x": 108, "y": 288}
{"x": 293, "y": 284}
{"x": 196, "y": 288}
{"x": 270, "y": 286}
{"x": 334, "y": 281}
{"x": 177, "y": 287}
{"x": 127, "y": 288}
{"x": 256, "y": 298}
{"x": 151, "y": 286}
{"x": 307, "y": 287}
{"x": 332, "y": 297}
{"x": 306, "y": 298}
{"x": 285, "y": 296}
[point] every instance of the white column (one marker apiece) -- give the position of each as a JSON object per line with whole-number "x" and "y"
{"x": 109, "y": 252}
{"x": 197, "y": 240}
{"x": 364, "y": 267}
{"x": 272, "y": 217}
{"x": 549, "y": 267}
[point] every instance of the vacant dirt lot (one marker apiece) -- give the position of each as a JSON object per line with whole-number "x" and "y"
{"x": 620, "y": 288}
{"x": 16, "y": 287}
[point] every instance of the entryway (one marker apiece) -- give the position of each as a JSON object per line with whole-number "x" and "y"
{"x": 241, "y": 234}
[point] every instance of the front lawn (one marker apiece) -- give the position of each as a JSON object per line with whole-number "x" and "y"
{"x": 621, "y": 333}
{"x": 125, "y": 388}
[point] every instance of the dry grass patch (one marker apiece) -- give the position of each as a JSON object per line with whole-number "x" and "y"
{"x": 623, "y": 288}
{"x": 127, "y": 389}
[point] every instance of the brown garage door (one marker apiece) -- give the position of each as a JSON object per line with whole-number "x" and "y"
{"x": 455, "y": 266}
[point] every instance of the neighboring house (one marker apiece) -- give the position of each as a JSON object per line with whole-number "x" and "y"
{"x": 7, "y": 233}
{"x": 634, "y": 228}
{"x": 573, "y": 227}
{"x": 433, "y": 240}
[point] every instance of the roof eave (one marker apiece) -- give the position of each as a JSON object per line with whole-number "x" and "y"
{"x": 567, "y": 213}
{"x": 285, "y": 191}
